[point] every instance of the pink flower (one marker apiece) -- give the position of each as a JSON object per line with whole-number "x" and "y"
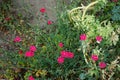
{"x": 67, "y": 54}
{"x": 49, "y": 22}
{"x": 29, "y": 54}
{"x": 17, "y": 39}
{"x": 102, "y": 65}
{"x": 31, "y": 78}
{"x": 64, "y": 54}
{"x": 94, "y": 57}
{"x": 32, "y": 48}
{"x": 7, "y": 18}
{"x": 99, "y": 39}
{"x": 42, "y": 10}
{"x": 60, "y": 60}
{"x": 60, "y": 44}
{"x": 70, "y": 55}
{"x": 83, "y": 37}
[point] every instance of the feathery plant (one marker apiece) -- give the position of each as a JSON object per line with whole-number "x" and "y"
{"x": 86, "y": 23}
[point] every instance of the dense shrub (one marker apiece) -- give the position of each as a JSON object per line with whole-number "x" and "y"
{"x": 80, "y": 45}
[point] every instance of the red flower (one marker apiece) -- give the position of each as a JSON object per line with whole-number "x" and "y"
{"x": 102, "y": 65}
{"x": 99, "y": 39}
{"x": 32, "y": 48}
{"x": 31, "y": 78}
{"x": 17, "y": 39}
{"x": 70, "y": 55}
{"x": 42, "y": 10}
{"x": 67, "y": 54}
{"x": 29, "y": 54}
{"x": 83, "y": 37}
{"x": 94, "y": 57}
{"x": 20, "y": 52}
{"x": 61, "y": 45}
{"x": 49, "y": 22}
{"x": 60, "y": 60}
{"x": 63, "y": 54}
{"x": 7, "y": 18}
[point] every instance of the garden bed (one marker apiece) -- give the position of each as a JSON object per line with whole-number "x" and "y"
{"x": 81, "y": 44}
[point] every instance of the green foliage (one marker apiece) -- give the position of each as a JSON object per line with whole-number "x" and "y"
{"x": 116, "y": 13}
{"x": 107, "y": 12}
{"x": 92, "y": 27}
{"x": 67, "y": 29}
{"x": 5, "y": 8}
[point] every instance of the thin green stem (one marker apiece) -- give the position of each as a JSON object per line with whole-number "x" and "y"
{"x": 84, "y": 52}
{"x": 85, "y": 58}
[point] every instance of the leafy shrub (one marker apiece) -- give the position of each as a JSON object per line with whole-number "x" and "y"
{"x": 76, "y": 46}
{"x": 116, "y": 13}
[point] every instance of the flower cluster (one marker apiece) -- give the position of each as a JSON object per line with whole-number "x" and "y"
{"x": 87, "y": 42}
{"x": 83, "y": 37}
{"x": 94, "y": 57}
{"x": 43, "y": 10}
{"x": 63, "y": 55}
{"x": 31, "y": 51}
{"x": 66, "y": 54}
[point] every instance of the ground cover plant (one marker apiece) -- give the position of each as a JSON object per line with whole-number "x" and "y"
{"x": 82, "y": 44}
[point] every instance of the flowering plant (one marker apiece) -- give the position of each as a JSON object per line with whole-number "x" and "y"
{"x": 93, "y": 29}
{"x": 78, "y": 46}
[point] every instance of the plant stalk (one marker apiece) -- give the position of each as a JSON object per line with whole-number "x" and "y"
{"x": 87, "y": 7}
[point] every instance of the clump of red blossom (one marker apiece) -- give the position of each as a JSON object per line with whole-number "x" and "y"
{"x": 49, "y": 22}
{"x": 83, "y": 37}
{"x": 102, "y": 65}
{"x": 98, "y": 39}
{"x": 42, "y": 10}
{"x": 63, "y": 55}
{"x": 31, "y": 51}
{"x": 94, "y": 57}
{"x": 17, "y": 39}
{"x": 61, "y": 44}
{"x": 31, "y": 78}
